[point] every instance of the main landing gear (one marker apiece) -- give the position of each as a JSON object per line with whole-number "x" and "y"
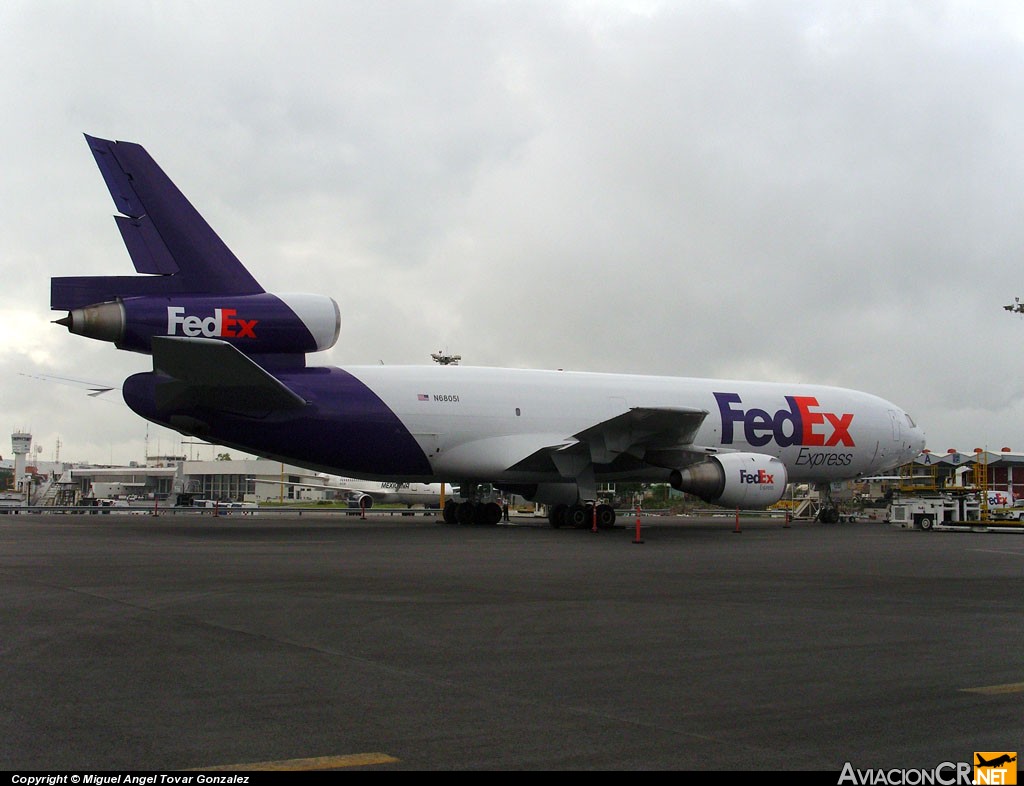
{"x": 581, "y": 516}
{"x": 828, "y": 511}
{"x": 477, "y": 509}
{"x": 481, "y": 513}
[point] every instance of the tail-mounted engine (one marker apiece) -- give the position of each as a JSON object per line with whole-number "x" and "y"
{"x": 255, "y": 324}
{"x": 745, "y": 480}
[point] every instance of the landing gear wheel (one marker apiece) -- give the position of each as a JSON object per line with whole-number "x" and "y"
{"x": 464, "y": 513}
{"x": 556, "y": 516}
{"x": 576, "y": 516}
{"x": 605, "y": 517}
{"x": 450, "y": 509}
{"x": 488, "y": 514}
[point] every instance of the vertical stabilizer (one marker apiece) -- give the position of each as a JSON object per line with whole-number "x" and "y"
{"x": 165, "y": 235}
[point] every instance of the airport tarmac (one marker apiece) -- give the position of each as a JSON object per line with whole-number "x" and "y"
{"x": 175, "y": 643}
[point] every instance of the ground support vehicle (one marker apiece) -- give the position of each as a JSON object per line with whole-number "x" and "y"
{"x": 936, "y": 510}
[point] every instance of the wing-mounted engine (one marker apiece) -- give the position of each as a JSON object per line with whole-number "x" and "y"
{"x": 745, "y": 480}
{"x": 258, "y": 324}
{"x": 361, "y": 500}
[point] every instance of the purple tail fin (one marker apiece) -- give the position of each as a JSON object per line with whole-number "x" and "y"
{"x": 165, "y": 235}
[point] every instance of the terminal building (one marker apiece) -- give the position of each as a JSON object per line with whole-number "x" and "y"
{"x": 999, "y": 473}
{"x": 182, "y": 482}
{"x": 264, "y": 480}
{"x": 175, "y": 480}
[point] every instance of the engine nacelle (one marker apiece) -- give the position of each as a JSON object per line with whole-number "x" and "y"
{"x": 255, "y": 324}
{"x": 744, "y": 480}
{"x": 364, "y": 501}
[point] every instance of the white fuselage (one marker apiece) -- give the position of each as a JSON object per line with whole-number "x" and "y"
{"x": 475, "y": 422}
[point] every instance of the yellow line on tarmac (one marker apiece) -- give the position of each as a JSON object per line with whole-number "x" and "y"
{"x": 318, "y": 763}
{"x": 995, "y": 690}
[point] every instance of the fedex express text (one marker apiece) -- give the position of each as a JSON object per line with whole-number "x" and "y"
{"x": 802, "y": 423}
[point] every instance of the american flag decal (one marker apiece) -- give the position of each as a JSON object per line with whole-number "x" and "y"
{"x": 423, "y": 397}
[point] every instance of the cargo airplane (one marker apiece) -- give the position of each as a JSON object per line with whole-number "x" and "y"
{"x": 229, "y": 366}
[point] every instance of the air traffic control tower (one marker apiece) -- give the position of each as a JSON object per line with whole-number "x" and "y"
{"x": 21, "y": 444}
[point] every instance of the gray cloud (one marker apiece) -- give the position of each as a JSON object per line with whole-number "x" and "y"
{"x": 817, "y": 193}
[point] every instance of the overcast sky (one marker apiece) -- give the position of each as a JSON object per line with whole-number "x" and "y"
{"x": 810, "y": 192}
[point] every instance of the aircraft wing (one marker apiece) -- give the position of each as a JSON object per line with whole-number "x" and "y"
{"x": 642, "y": 429}
{"x": 211, "y": 373}
{"x": 663, "y": 436}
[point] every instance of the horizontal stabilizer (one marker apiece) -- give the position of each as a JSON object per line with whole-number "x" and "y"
{"x": 211, "y": 373}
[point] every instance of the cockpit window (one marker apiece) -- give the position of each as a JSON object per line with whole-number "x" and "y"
{"x": 910, "y": 420}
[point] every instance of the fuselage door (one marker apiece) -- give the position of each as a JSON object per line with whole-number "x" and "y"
{"x": 897, "y": 428}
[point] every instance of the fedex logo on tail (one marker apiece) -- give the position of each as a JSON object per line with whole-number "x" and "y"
{"x": 803, "y": 423}
{"x": 223, "y": 324}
